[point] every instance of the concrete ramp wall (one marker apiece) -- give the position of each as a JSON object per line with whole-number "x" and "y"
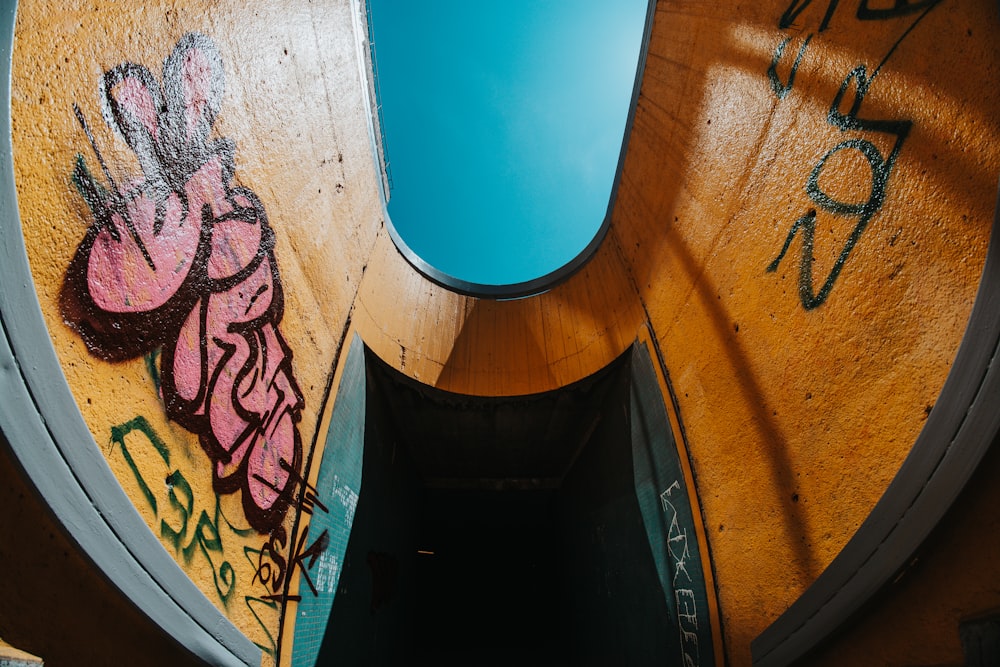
{"x": 192, "y": 229}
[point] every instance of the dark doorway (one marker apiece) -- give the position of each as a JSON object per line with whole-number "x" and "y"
{"x": 487, "y": 578}
{"x": 504, "y": 531}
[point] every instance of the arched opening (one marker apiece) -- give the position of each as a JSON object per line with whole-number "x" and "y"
{"x": 502, "y": 130}
{"x": 528, "y": 529}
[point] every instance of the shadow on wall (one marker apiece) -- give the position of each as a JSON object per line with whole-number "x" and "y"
{"x": 695, "y": 208}
{"x": 509, "y": 530}
{"x": 480, "y": 336}
{"x": 56, "y": 604}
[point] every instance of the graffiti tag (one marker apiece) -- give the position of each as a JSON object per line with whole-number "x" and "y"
{"x": 182, "y": 260}
{"x": 273, "y": 569}
{"x": 684, "y": 598}
{"x": 845, "y": 115}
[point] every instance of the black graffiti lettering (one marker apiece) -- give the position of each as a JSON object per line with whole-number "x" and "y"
{"x": 798, "y": 6}
{"x": 308, "y": 499}
{"x": 807, "y": 224}
{"x": 864, "y": 211}
{"x": 845, "y": 115}
{"x": 308, "y": 496}
{"x": 282, "y": 598}
{"x": 781, "y": 89}
{"x": 273, "y": 570}
{"x": 310, "y": 502}
{"x": 851, "y": 121}
{"x": 858, "y": 82}
{"x": 312, "y": 553}
{"x": 881, "y": 169}
{"x": 868, "y": 10}
{"x": 271, "y": 565}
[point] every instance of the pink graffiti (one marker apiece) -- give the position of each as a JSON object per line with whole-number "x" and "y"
{"x": 183, "y": 260}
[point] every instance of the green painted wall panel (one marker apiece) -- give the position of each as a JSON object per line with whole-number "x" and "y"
{"x": 370, "y": 618}
{"x": 667, "y": 515}
{"x": 338, "y": 486}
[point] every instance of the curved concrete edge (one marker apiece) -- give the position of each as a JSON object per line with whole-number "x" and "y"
{"x": 560, "y": 275}
{"x": 14, "y": 657}
{"x": 54, "y": 447}
{"x": 959, "y": 430}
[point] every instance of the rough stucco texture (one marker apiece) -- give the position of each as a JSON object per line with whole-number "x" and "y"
{"x": 291, "y": 103}
{"x": 801, "y": 223}
{"x": 798, "y": 413}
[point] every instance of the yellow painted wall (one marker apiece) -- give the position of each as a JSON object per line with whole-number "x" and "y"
{"x": 798, "y": 418}
{"x": 797, "y": 412}
{"x": 293, "y": 106}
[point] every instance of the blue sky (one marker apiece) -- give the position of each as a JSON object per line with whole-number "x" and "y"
{"x": 504, "y": 124}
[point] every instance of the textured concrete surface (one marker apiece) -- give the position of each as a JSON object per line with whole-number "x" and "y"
{"x": 800, "y": 227}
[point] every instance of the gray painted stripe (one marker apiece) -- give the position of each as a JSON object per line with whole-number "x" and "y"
{"x": 960, "y": 429}
{"x": 46, "y": 431}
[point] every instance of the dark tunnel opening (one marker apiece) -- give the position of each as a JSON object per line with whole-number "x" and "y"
{"x": 488, "y": 578}
{"x": 500, "y": 530}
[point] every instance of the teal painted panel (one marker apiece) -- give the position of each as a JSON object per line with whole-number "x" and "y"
{"x": 338, "y": 486}
{"x": 371, "y": 619}
{"x": 611, "y": 602}
{"x": 667, "y": 515}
